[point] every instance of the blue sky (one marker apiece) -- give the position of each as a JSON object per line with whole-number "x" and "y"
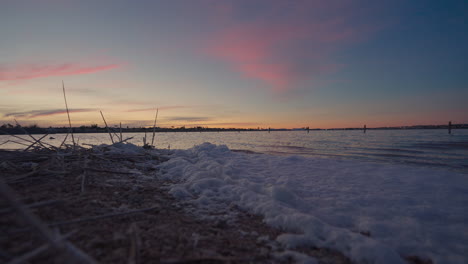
{"x": 267, "y": 63}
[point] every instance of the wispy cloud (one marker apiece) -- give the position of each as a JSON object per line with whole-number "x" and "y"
{"x": 160, "y": 108}
{"x": 189, "y": 119}
{"x": 43, "y": 113}
{"x": 233, "y": 124}
{"x": 32, "y": 71}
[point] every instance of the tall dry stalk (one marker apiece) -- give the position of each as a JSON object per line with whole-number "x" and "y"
{"x": 108, "y": 131}
{"x": 154, "y": 126}
{"x": 121, "y": 138}
{"x": 68, "y": 113}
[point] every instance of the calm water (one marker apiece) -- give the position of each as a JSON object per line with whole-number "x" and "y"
{"x": 433, "y": 148}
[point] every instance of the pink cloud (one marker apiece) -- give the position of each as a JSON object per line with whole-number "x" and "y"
{"x": 283, "y": 44}
{"x": 32, "y": 71}
{"x": 277, "y": 75}
{"x": 251, "y": 51}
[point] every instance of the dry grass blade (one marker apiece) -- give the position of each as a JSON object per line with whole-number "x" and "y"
{"x": 22, "y": 176}
{"x": 68, "y": 113}
{"x": 127, "y": 139}
{"x": 213, "y": 259}
{"x": 33, "y": 205}
{"x": 31, "y": 254}
{"x": 135, "y": 244}
{"x": 154, "y": 126}
{"x": 83, "y": 176}
{"x": 15, "y": 136}
{"x": 98, "y": 217}
{"x": 108, "y": 171}
{"x": 10, "y": 196}
{"x": 27, "y": 133}
{"x": 19, "y": 143}
{"x": 63, "y": 142}
{"x": 121, "y": 132}
{"x": 108, "y": 131}
{"x": 37, "y": 141}
{"x": 116, "y": 135}
{"x": 42, "y": 229}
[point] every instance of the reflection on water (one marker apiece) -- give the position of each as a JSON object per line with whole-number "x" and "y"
{"x": 433, "y": 148}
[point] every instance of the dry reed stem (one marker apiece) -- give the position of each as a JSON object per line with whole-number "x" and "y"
{"x": 83, "y": 176}
{"x": 15, "y": 136}
{"x": 135, "y": 244}
{"x": 108, "y": 171}
{"x": 115, "y": 134}
{"x": 98, "y": 217}
{"x": 154, "y": 126}
{"x": 68, "y": 113}
{"x": 110, "y": 135}
{"x": 19, "y": 143}
{"x": 31, "y": 254}
{"x": 27, "y": 133}
{"x": 63, "y": 142}
{"x": 13, "y": 201}
{"x": 24, "y": 139}
{"x": 47, "y": 234}
{"x": 37, "y": 141}
{"x": 121, "y": 132}
{"x": 213, "y": 259}
{"x": 33, "y": 205}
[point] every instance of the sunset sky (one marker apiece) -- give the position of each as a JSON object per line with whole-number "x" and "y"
{"x": 234, "y": 63}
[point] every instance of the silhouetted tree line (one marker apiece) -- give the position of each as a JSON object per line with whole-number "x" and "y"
{"x": 94, "y": 128}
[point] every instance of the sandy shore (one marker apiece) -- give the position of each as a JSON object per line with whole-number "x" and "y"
{"x": 114, "y": 208}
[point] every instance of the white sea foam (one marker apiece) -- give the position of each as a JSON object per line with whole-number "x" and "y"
{"x": 330, "y": 203}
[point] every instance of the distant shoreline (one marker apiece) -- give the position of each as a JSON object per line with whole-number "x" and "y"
{"x": 16, "y": 130}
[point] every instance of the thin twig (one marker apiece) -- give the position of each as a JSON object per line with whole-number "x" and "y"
{"x": 127, "y": 139}
{"x": 63, "y": 142}
{"x": 208, "y": 259}
{"x": 134, "y": 257}
{"x": 27, "y": 140}
{"x": 98, "y": 217}
{"x": 121, "y": 132}
{"x": 33, "y": 205}
{"x": 25, "y": 257}
{"x": 83, "y": 176}
{"x": 79, "y": 254}
{"x": 37, "y": 141}
{"x": 154, "y": 126}
{"x": 19, "y": 143}
{"x": 10, "y": 196}
{"x": 110, "y": 135}
{"x": 27, "y": 133}
{"x": 115, "y": 134}
{"x": 43, "y": 230}
{"x": 68, "y": 113}
{"x": 25, "y": 175}
{"x": 15, "y": 136}
{"x": 108, "y": 171}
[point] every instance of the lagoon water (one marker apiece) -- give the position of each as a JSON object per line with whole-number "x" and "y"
{"x": 428, "y": 148}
